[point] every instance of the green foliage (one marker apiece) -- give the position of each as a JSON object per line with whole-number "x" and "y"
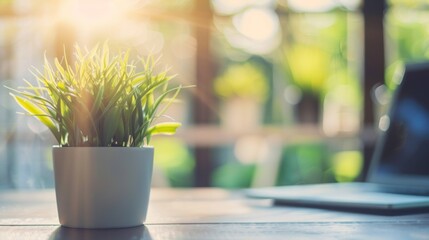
{"x": 245, "y": 80}
{"x": 305, "y": 163}
{"x": 309, "y": 66}
{"x": 407, "y": 35}
{"x": 316, "y": 52}
{"x": 234, "y": 175}
{"x": 102, "y": 99}
{"x": 347, "y": 165}
{"x": 177, "y": 163}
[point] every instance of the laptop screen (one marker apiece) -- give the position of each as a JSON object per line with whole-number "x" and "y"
{"x": 402, "y": 154}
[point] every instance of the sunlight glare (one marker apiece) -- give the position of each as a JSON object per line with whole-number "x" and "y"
{"x": 260, "y": 24}
{"x": 228, "y": 7}
{"x": 92, "y": 13}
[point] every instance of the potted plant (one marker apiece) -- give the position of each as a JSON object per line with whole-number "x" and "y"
{"x": 243, "y": 89}
{"x": 102, "y": 110}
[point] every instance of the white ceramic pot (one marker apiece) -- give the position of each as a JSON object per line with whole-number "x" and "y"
{"x": 102, "y": 187}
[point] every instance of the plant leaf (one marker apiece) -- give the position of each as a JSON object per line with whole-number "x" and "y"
{"x": 37, "y": 112}
{"x": 167, "y": 128}
{"x": 110, "y": 125}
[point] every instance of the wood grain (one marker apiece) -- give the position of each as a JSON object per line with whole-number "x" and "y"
{"x": 208, "y": 214}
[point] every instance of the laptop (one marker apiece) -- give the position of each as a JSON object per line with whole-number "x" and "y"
{"x": 398, "y": 176}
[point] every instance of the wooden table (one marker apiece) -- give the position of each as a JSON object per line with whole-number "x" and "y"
{"x": 207, "y": 214}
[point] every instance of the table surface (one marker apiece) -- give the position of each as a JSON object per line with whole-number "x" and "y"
{"x": 208, "y": 213}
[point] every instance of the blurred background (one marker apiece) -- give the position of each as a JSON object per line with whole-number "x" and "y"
{"x": 287, "y": 91}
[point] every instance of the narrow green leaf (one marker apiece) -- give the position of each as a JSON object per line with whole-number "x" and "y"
{"x": 167, "y": 128}
{"x": 37, "y": 112}
{"x": 110, "y": 125}
{"x": 98, "y": 99}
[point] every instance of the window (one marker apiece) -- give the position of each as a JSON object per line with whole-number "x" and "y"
{"x": 279, "y": 95}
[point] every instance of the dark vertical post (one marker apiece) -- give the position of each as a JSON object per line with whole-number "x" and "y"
{"x": 373, "y": 71}
{"x": 204, "y": 100}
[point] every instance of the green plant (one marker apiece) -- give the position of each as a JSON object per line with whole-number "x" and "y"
{"x": 100, "y": 100}
{"x": 245, "y": 80}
